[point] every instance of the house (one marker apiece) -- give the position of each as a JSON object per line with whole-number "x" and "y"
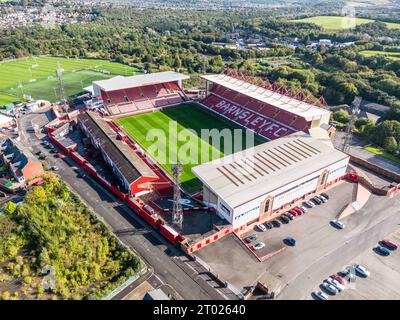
{"x": 6, "y": 121}
{"x": 21, "y": 162}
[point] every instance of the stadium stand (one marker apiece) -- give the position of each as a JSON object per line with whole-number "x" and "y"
{"x": 122, "y": 95}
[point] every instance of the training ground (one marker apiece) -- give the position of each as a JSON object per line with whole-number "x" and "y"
{"x": 187, "y": 116}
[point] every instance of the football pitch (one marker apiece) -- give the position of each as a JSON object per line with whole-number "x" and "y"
{"x": 36, "y": 76}
{"x": 189, "y": 147}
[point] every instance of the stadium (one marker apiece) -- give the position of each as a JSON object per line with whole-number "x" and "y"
{"x": 292, "y": 157}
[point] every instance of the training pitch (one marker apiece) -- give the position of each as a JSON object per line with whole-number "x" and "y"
{"x": 36, "y": 76}
{"x": 187, "y": 116}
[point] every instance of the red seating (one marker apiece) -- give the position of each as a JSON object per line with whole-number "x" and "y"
{"x": 246, "y": 117}
{"x": 133, "y": 94}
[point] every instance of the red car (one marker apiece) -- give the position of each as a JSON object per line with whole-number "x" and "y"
{"x": 389, "y": 244}
{"x": 298, "y": 210}
{"x": 294, "y": 212}
{"x": 338, "y": 279}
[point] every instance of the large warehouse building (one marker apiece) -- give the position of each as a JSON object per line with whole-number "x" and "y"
{"x": 250, "y": 185}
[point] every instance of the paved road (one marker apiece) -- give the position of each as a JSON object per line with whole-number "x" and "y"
{"x": 169, "y": 265}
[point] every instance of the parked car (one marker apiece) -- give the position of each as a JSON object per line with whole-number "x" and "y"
{"x": 319, "y": 295}
{"x": 382, "y": 250}
{"x": 323, "y": 199}
{"x": 389, "y": 244}
{"x": 259, "y": 246}
{"x": 336, "y": 284}
{"x": 250, "y": 238}
{"x": 303, "y": 208}
{"x": 284, "y": 219}
{"x": 268, "y": 225}
{"x": 289, "y": 215}
{"x": 316, "y": 200}
{"x": 298, "y": 210}
{"x": 42, "y": 157}
{"x": 309, "y": 204}
{"x": 290, "y": 241}
{"x": 276, "y": 223}
{"x": 53, "y": 151}
{"x": 361, "y": 270}
{"x": 81, "y": 174}
{"x": 261, "y": 227}
{"x": 325, "y": 195}
{"x": 348, "y": 274}
{"x": 294, "y": 212}
{"x": 330, "y": 288}
{"x": 338, "y": 279}
{"x": 338, "y": 224}
{"x": 55, "y": 168}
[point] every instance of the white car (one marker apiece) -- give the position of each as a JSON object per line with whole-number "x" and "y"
{"x": 309, "y": 204}
{"x": 338, "y": 224}
{"x": 336, "y": 284}
{"x": 330, "y": 288}
{"x": 259, "y": 246}
{"x": 304, "y": 209}
{"x": 322, "y": 198}
{"x": 261, "y": 227}
{"x": 361, "y": 270}
{"x": 320, "y": 295}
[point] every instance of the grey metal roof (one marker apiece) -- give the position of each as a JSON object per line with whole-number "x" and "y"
{"x": 124, "y": 158}
{"x": 257, "y": 171}
{"x": 119, "y": 82}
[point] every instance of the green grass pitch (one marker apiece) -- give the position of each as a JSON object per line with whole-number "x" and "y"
{"x": 337, "y": 23}
{"x": 187, "y": 116}
{"x": 36, "y": 76}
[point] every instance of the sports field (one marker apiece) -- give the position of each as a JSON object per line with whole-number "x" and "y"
{"x": 187, "y": 116}
{"x": 390, "y": 55}
{"x": 36, "y": 76}
{"x": 337, "y": 23}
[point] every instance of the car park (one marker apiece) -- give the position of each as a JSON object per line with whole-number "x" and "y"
{"x": 276, "y": 223}
{"x": 261, "y": 227}
{"x": 335, "y": 283}
{"x": 338, "y": 224}
{"x": 382, "y": 250}
{"x": 389, "y": 244}
{"x": 309, "y": 204}
{"x": 259, "y": 246}
{"x": 330, "y": 288}
{"x": 361, "y": 270}
{"x": 320, "y": 295}
{"x": 251, "y": 238}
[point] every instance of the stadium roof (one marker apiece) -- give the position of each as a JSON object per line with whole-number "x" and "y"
{"x": 119, "y": 82}
{"x": 249, "y": 174}
{"x": 125, "y": 159}
{"x": 300, "y": 108}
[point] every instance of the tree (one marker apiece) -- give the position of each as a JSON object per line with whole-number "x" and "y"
{"x": 10, "y": 208}
{"x": 390, "y": 144}
{"x": 341, "y": 116}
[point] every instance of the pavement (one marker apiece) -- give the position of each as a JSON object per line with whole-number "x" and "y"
{"x": 171, "y": 269}
{"x": 320, "y": 250}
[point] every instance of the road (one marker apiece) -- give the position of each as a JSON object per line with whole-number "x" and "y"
{"x": 170, "y": 268}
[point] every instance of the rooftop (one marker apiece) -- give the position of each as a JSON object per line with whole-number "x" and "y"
{"x": 120, "y": 82}
{"x": 257, "y": 171}
{"x": 125, "y": 159}
{"x": 298, "y": 107}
